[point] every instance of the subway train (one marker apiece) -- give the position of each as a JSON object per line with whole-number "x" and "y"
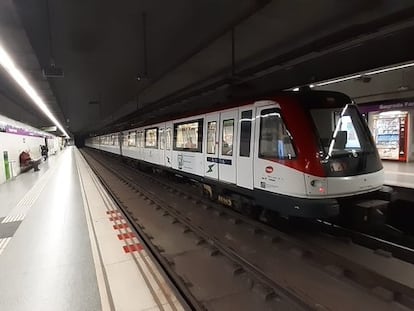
{"x": 301, "y": 154}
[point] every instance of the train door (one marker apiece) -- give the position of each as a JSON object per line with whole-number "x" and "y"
{"x": 245, "y": 151}
{"x": 273, "y": 147}
{"x": 211, "y": 152}
{"x": 118, "y": 142}
{"x": 262, "y": 169}
{"x": 161, "y": 145}
{"x": 228, "y": 146}
{"x": 168, "y": 134}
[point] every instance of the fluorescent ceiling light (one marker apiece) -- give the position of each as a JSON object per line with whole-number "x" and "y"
{"x": 369, "y": 73}
{"x": 338, "y": 80}
{"x": 389, "y": 69}
{"x": 8, "y": 64}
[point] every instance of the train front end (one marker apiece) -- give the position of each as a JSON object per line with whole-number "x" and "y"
{"x": 350, "y": 169}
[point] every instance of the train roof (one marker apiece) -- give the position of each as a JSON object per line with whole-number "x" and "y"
{"x": 308, "y": 98}
{"x": 321, "y": 99}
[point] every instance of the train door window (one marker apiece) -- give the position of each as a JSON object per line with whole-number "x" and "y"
{"x": 168, "y": 138}
{"x": 162, "y": 139}
{"x": 211, "y": 137}
{"x": 125, "y": 139}
{"x": 113, "y": 140}
{"x": 141, "y": 139}
{"x": 228, "y": 131}
{"x": 275, "y": 140}
{"x": 151, "y": 140}
{"x": 132, "y": 138}
{"x": 245, "y": 133}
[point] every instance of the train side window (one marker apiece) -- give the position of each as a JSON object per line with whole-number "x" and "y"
{"x": 132, "y": 139}
{"x": 245, "y": 133}
{"x": 151, "y": 140}
{"x": 168, "y": 138}
{"x": 275, "y": 140}
{"x": 211, "y": 137}
{"x": 188, "y": 136}
{"x": 228, "y": 131}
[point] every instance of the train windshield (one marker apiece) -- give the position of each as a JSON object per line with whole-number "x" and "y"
{"x": 342, "y": 132}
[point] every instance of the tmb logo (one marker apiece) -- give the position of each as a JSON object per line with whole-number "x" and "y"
{"x": 269, "y": 169}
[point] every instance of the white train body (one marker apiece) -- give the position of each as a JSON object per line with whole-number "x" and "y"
{"x": 270, "y": 150}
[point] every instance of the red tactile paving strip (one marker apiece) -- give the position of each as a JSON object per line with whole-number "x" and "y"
{"x": 120, "y": 226}
{"x": 133, "y": 248}
{"x": 124, "y": 236}
{"x": 117, "y": 216}
{"x": 112, "y": 212}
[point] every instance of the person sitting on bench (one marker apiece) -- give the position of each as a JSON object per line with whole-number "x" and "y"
{"x": 26, "y": 162}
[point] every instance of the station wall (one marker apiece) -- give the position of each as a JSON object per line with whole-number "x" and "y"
{"x": 14, "y": 144}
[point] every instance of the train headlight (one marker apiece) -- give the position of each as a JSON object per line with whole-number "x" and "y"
{"x": 316, "y": 183}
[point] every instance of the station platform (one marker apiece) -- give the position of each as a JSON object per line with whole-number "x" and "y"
{"x": 64, "y": 245}
{"x": 400, "y": 174}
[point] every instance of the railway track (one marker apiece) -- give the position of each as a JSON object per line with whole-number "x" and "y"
{"x": 270, "y": 269}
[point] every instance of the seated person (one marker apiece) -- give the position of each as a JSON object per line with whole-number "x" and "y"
{"x": 26, "y": 162}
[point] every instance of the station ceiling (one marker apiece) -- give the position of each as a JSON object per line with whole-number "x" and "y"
{"x": 128, "y": 62}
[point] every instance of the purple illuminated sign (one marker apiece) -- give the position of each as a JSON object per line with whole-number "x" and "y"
{"x": 385, "y": 106}
{"x": 21, "y": 131}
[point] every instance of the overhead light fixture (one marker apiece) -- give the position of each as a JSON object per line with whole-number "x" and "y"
{"x": 374, "y": 72}
{"x": 362, "y": 75}
{"x": 339, "y": 80}
{"x": 8, "y": 64}
{"x": 296, "y": 89}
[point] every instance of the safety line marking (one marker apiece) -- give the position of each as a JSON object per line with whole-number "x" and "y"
{"x": 13, "y": 218}
{"x": 123, "y": 225}
{"x": 151, "y": 273}
{"x": 19, "y": 212}
{"x": 3, "y": 243}
{"x": 107, "y": 302}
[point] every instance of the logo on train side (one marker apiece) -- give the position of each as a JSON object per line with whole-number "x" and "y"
{"x": 210, "y": 168}
{"x": 269, "y": 169}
